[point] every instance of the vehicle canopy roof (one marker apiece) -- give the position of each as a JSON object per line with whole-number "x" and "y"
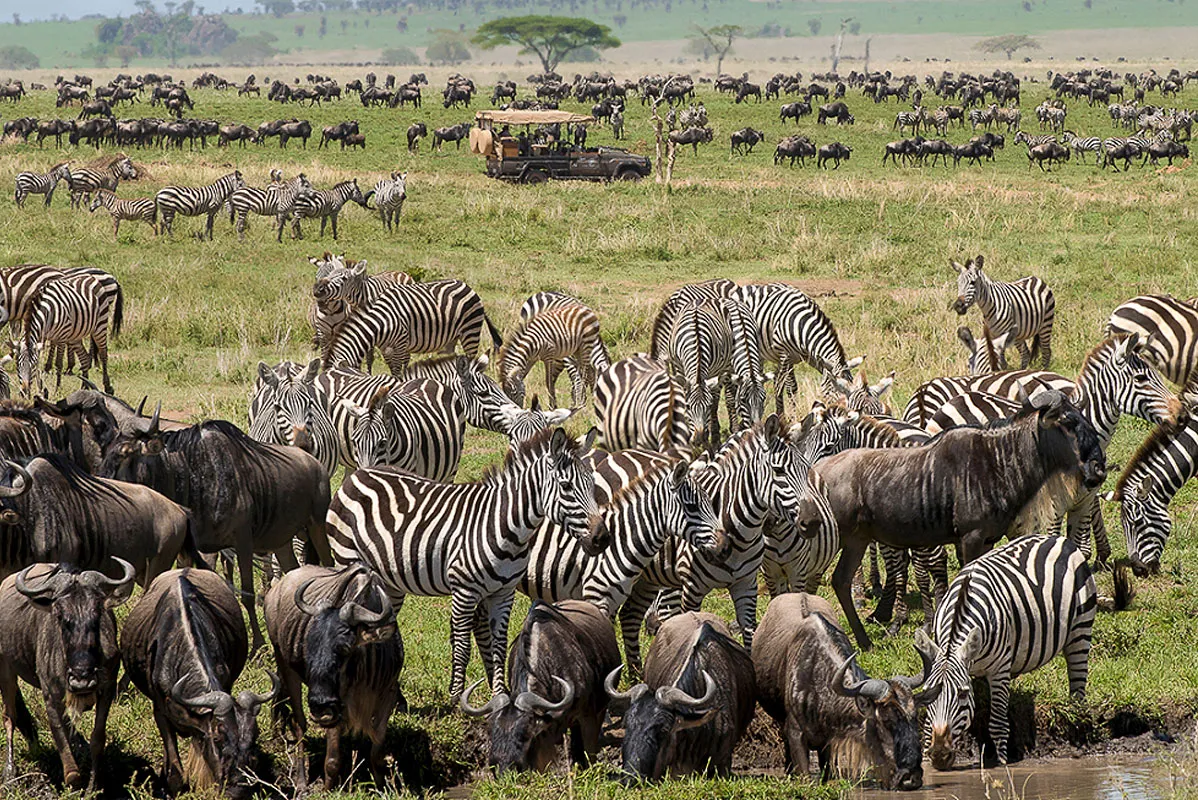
{"x": 486, "y": 119}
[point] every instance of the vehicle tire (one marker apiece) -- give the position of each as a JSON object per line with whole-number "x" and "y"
{"x": 535, "y": 176}
{"x": 628, "y": 175}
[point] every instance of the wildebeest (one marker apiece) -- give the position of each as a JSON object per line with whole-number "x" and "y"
{"x": 837, "y": 111}
{"x": 416, "y": 132}
{"x": 58, "y": 634}
{"x": 696, "y": 702}
{"x": 835, "y": 152}
{"x": 906, "y": 149}
{"x": 244, "y": 494}
{"x": 746, "y": 137}
{"x": 796, "y": 148}
{"x": 184, "y": 646}
{"x": 453, "y": 133}
{"x": 354, "y": 140}
{"x": 794, "y": 111}
{"x": 236, "y": 133}
{"x": 973, "y": 151}
{"x": 1052, "y": 152}
{"x": 1019, "y": 470}
{"x": 1168, "y": 150}
{"x": 564, "y": 649}
{"x": 334, "y": 630}
{"x": 802, "y": 658}
{"x": 337, "y": 132}
{"x": 301, "y": 130}
{"x": 51, "y": 510}
{"x": 692, "y": 136}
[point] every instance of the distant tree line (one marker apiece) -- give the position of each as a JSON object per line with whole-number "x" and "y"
{"x": 177, "y": 31}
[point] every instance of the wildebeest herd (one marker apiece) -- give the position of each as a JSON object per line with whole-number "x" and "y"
{"x": 667, "y": 499}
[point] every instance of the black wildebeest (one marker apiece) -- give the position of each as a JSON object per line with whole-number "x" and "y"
{"x": 796, "y": 148}
{"x": 835, "y": 152}
{"x": 936, "y": 148}
{"x": 802, "y": 657}
{"x": 697, "y": 700}
{"x": 335, "y": 631}
{"x": 968, "y": 488}
{"x": 1168, "y": 150}
{"x": 564, "y": 649}
{"x": 906, "y": 149}
{"x": 338, "y": 132}
{"x": 184, "y": 646}
{"x": 95, "y": 108}
{"x": 794, "y": 111}
{"x": 691, "y": 136}
{"x": 746, "y": 137}
{"x": 1052, "y": 152}
{"x": 453, "y": 133}
{"x": 58, "y": 634}
{"x": 51, "y": 510}
{"x": 416, "y": 132}
{"x": 301, "y": 130}
{"x": 243, "y": 494}
{"x": 55, "y": 128}
{"x": 837, "y": 111}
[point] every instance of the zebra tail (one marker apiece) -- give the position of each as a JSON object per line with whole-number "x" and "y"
{"x": 496, "y": 337}
{"x": 1035, "y": 350}
{"x": 118, "y": 312}
{"x": 1125, "y": 589}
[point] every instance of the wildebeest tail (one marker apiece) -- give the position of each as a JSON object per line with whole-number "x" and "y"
{"x": 190, "y": 551}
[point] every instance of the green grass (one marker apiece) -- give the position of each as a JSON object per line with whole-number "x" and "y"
{"x": 871, "y": 242}
{"x": 58, "y": 44}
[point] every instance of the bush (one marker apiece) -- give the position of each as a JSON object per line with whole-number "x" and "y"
{"x": 399, "y": 57}
{"x": 249, "y": 50}
{"x": 15, "y": 56}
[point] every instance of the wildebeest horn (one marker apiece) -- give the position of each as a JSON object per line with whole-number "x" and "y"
{"x": 1047, "y": 399}
{"x": 141, "y": 407}
{"x": 153, "y": 428}
{"x": 20, "y": 483}
{"x": 355, "y": 615}
{"x": 304, "y": 605}
{"x": 675, "y": 699}
{"x": 88, "y": 384}
{"x": 613, "y": 680}
{"x": 534, "y": 703}
{"x": 39, "y": 589}
{"x": 100, "y": 579}
{"x": 496, "y": 702}
{"x": 208, "y": 702}
{"x": 871, "y": 688}
{"x": 247, "y": 698}
{"x": 926, "y": 658}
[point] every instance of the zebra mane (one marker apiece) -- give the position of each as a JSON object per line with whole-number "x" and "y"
{"x": 1160, "y": 438}
{"x": 1101, "y": 349}
{"x": 884, "y": 435}
{"x": 528, "y": 450}
{"x": 959, "y": 610}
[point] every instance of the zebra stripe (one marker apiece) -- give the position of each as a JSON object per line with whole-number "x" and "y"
{"x": 699, "y": 356}
{"x": 193, "y": 201}
{"x": 1015, "y": 313}
{"x": 663, "y": 323}
{"x": 76, "y": 307}
{"x": 389, "y": 195}
{"x": 85, "y": 181}
{"x": 40, "y": 183}
{"x": 141, "y": 209}
{"x": 1007, "y": 613}
{"x": 340, "y": 288}
{"x": 469, "y": 541}
{"x": 638, "y": 404}
{"x": 284, "y": 409}
{"x": 930, "y": 396}
{"x": 325, "y": 204}
{"x": 560, "y": 335}
{"x": 746, "y": 384}
{"x": 1082, "y": 145}
{"x": 1023, "y": 137}
{"x": 971, "y": 408}
{"x": 1169, "y": 329}
{"x": 265, "y": 202}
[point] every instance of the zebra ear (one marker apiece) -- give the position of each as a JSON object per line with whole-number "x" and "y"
{"x": 965, "y": 336}
{"x": 588, "y": 441}
{"x": 560, "y": 415}
{"x": 267, "y": 375}
{"x": 882, "y": 386}
{"x": 353, "y": 409}
{"x": 969, "y": 649}
{"x": 1145, "y": 488}
{"x": 853, "y": 363}
{"x": 956, "y": 265}
{"x": 311, "y": 372}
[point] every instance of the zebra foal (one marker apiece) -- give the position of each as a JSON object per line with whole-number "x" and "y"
{"x": 140, "y": 209}
{"x": 559, "y": 335}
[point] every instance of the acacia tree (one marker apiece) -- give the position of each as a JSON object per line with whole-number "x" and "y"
{"x": 1007, "y": 44}
{"x": 549, "y": 38}
{"x": 720, "y": 39}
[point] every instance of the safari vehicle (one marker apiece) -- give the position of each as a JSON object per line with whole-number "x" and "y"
{"x": 520, "y": 160}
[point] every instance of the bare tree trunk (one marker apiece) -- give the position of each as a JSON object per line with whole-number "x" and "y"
{"x": 673, "y": 150}
{"x": 658, "y": 130}
{"x": 837, "y": 45}
{"x": 867, "y": 41}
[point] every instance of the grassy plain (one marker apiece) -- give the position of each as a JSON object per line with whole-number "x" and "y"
{"x": 872, "y": 243}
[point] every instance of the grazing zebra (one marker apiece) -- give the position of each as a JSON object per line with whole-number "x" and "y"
{"x": 416, "y": 425}
{"x": 325, "y": 204}
{"x": 284, "y": 409}
{"x": 340, "y": 288}
{"x": 859, "y": 395}
{"x": 930, "y": 396}
{"x": 1007, "y": 613}
{"x": 663, "y": 323}
{"x": 699, "y": 355}
{"x": 794, "y": 329}
{"x": 746, "y": 379}
{"x": 140, "y": 209}
{"x": 265, "y": 202}
{"x": 561, "y": 334}
{"x": 1163, "y": 464}
{"x": 69, "y": 311}
{"x": 1169, "y": 329}
{"x": 540, "y": 301}
{"x": 194, "y": 201}
{"x": 1084, "y": 144}
{"x": 389, "y": 195}
{"x": 85, "y": 181}
{"x": 638, "y": 404}
{"x": 469, "y": 541}
{"x": 38, "y": 183}
{"x": 1015, "y": 313}
{"x": 1023, "y": 137}
{"x": 407, "y": 319}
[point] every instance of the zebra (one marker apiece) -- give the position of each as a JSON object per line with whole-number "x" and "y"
{"x": 1169, "y": 329}
{"x": 1162, "y": 465}
{"x": 86, "y": 305}
{"x": 565, "y": 334}
{"x": 746, "y": 379}
{"x": 982, "y": 116}
{"x": 389, "y": 195}
{"x": 909, "y": 119}
{"x": 140, "y": 209}
{"x": 521, "y": 424}
{"x": 663, "y": 323}
{"x": 987, "y": 355}
{"x": 1015, "y": 313}
{"x": 541, "y": 301}
{"x": 859, "y": 395}
{"x": 407, "y": 319}
{"x": 1007, "y": 613}
{"x": 638, "y": 404}
{"x": 284, "y": 409}
{"x": 340, "y": 288}
{"x": 196, "y": 201}
{"x": 1023, "y": 137}
{"x": 85, "y": 181}
{"x": 1084, "y": 144}
{"x": 971, "y": 408}
{"x": 265, "y": 202}
{"x": 41, "y": 183}
{"x": 325, "y": 204}
{"x": 795, "y": 329}
{"x": 930, "y": 396}
{"x": 699, "y": 355}
{"x": 469, "y": 541}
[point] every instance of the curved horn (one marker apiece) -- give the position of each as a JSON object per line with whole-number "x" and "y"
{"x": 870, "y": 688}
{"x": 153, "y": 428}
{"x": 208, "y": 702}
{"x": 40, "y": 588}
{"x": 926, "y": 658}
{"x": 87, "y": 384}
{"x": 356, "y": 615}
{"x": 304, "y": 605}
{"x": 675, "y": 699}
{"x": 259, "y": 699}
{"x": 20, "y": 483}
{"x": 534, "y": 703}
{"x": 612, "y": 681}
{"x": 1048, "y": 399}
{"x": 496, "y": 703}
{"x": 141, "y": 407}
{"x": 127, "y": 574}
